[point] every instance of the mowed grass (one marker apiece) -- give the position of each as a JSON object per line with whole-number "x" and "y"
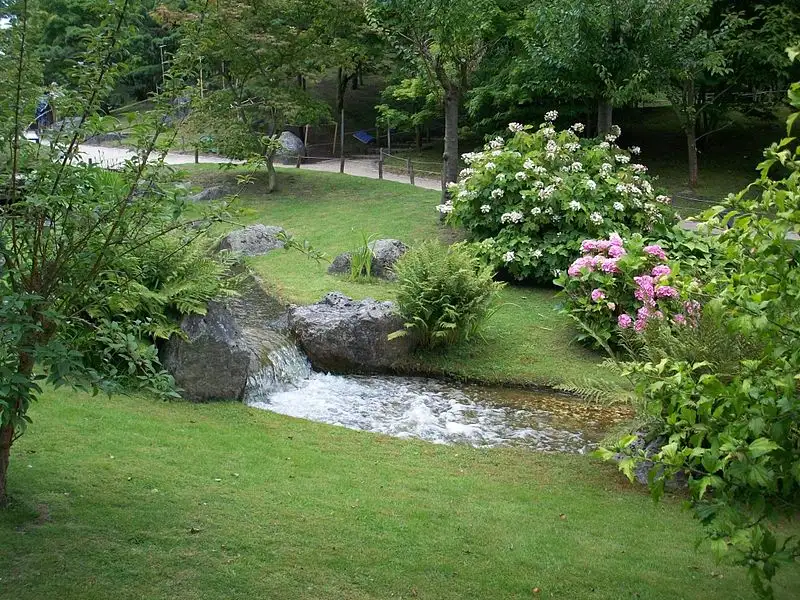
{"x": 526, "y": 342}
{"x": 132, "y": 498}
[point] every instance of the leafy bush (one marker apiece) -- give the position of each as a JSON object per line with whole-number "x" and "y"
{"x": 532, "y": 198}
{"x": 445, "y": 293}
{"x": 730, "y": 422}
{"x": 621, "y": 284}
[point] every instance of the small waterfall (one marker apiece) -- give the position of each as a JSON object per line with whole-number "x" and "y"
{"x": 284, "y": 367}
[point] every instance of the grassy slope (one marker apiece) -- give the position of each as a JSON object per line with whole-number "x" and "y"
{"x": 527, "y": 342}
{"x": 131, "y": 498}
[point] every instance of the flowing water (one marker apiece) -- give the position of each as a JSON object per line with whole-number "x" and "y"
{"x": 428, "y": 409}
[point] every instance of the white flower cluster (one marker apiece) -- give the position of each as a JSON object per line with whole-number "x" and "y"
{"x": 521, "y": 176}
{"x": 548, "y": 132}
{"x": 635, "y": 150}
{"x": 512, "y": 217}
{"x": 622, "y": 159}
{"x": 578, "y": 127}
{"x": 596, "y": 218}
{"x": 515, "y": 127}
{"x": 508, "y": 256}
{"x": 486, "y": 208}
{"x": 471, "y": 157}
{"x": 490, "y": 166}
{"x": 611, "y": 138}
{"x": 572, "y": 146}
{"x": 539, "y": 170}
{"x": 501, "y": 177}
{"x": 445, "y": 208}
{"x": 591, "y": 185}
{"x": 536, "y": 211}
{"x": 528, "y": 164}
{"x": 536, "y": 253}
{"x": 637, "y": 168}
{"x": 466, "y": 173}
{"x": 616, "y": 130}
{"x": 551, "y": 148}
{"x": 468, "y": 194}
{"x": 663, "y": 199}
{"x": 576, "y": 167}
{"x": 546, "y": 192}
{"x": 574, "y": 205}
{"x": 606, "y": 168}
{"x": 497, "y": 193}
{"x": 604, "y": 146}
{"x": 619, "y": 206}
{"x": 496, "y": 143}
{"x": 497, "y": 153}
{"x": 551, "y": 115}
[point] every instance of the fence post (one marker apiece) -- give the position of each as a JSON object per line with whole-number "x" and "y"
{"x": 410, "y": 168}
{"x": 389, "y": 138}
{"x": 335, "y": 135}
{"x": 341, "y": 143}
{"x": 196, "y": 155}
{"x": 380, "y": 164}
{"x": 299, "y": 160}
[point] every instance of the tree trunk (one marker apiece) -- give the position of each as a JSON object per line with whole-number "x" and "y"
{"x": 272, "y": 178}
{"x": 451, "y": 106}
{"x": 24, "y": 368}
{"x": 691, "y": 146}
{"x": 341, "y": 89}
{"x": 605, "y": 116}
{"x": 6, "y": 439}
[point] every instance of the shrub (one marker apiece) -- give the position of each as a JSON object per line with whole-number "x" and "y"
{"x": 618, "y": 285}
{"x": 445, "y": 293}
{"x": 730, "y": 424}
{"x": 532, "y": 198}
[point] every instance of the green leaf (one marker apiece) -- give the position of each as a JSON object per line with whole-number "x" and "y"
{"x": 762, "y": 446}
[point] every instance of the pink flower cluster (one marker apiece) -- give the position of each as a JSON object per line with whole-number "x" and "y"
{"x": 650, "y": 289}
{"x": 601, "y": 255}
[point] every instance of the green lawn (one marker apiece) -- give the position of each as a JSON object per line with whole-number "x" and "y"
{"x": 132, "y": 498}
{"x": 527, "y": 341}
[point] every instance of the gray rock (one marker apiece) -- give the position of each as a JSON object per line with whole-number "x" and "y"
{"x": 229, "y": 346}
{"x": 291, "y": 146}
{"x": 341, "y": 335}
{"x": 103, "y": 138}
{"x": 215, "y": 192}
{"x": 253, "y": 240}
{"x": 641, "y": 447}
{"x": 385, "y": 253}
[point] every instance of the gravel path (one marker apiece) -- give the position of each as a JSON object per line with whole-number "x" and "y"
{"x": 111, "y": 157}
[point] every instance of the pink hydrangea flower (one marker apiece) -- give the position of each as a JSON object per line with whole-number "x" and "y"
{"x": 603, "y": 245}
{"x": 666, "y": 291}
{"x": 617, "y": 251}
{"x": 624, "y": 321}
{"x": 597, "y": 295}
{"x": 661, "y": 271}
{"x": 615, "y": 240}
{"x": 656, "y": 250}
{"x": 609, "y": 265}
{"x": 588, "y": 246}
{"x": 584, "y": 262}
{"x": 679, "y": 319}
{"x": 639, "y": 325}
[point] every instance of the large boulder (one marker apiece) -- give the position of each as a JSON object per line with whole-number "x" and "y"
{"x": 341, "y": 335}
{"x": 253, "y": 240}
{"x": 291, "y": 146}
{"x": 230, "y": 350}
{"x": 385, "y": 253}
{"x": 215, "y": 192}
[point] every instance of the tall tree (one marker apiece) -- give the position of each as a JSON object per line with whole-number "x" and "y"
{"x": 254, "y": 52}
{"x": 446, "y": 41}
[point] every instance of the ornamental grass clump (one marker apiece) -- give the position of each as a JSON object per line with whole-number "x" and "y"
{"x": 531, "y": 198}
{"x": 445, "y": 293}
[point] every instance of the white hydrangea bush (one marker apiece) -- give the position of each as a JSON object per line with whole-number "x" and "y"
{"x": 533, "y": 196}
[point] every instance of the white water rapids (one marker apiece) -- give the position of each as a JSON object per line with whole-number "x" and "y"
{"x": 436, "y": 411}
